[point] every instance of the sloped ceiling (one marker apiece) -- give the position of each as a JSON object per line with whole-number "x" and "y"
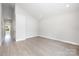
{"x": 41, "y": 10}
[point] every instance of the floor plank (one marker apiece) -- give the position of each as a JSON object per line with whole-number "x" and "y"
{"x": 39, "y": 46}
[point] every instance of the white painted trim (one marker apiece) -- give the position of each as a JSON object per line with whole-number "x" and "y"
{"x": 74, "y": 43}
{"x": 20, "y": 39}
{"x": 25, "y": 38}
{"x": 0, "y": 43}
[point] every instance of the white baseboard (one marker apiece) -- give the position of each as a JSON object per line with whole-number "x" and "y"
{"x": 20, "y": 39}
{"x": 59, "y": 40}
{"x": 25, "y": 38}
{"x": 0, "y": 43}
{"x": 74, "y": 43}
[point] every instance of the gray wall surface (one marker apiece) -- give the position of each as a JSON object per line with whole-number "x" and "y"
{"x": 26, "y": 26}
{"x": 63, "y": 27}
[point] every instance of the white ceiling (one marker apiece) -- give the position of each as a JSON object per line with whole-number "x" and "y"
{"x": 41, "y": 10}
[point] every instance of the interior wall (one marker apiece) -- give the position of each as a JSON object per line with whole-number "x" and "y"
{"x": 0, "y": 23}
{"x": 26, "y": 25}
{"x": 63, "y": 27}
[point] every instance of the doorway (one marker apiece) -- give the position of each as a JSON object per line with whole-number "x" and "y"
{"x": 8, "y": 23}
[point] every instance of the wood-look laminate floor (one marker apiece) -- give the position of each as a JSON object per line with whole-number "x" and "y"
{"x": 39, "y": 46}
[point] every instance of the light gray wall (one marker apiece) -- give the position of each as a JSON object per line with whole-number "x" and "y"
{"x": 61, "y": 26}
{"x": 7, "y": 11}
{"x": 26, "y": 26}
{"x": 0, "y": 24}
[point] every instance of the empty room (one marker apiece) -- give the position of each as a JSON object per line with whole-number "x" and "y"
{"x": 39, "y": 29}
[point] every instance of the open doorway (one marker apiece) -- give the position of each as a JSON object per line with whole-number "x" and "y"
{"x": 8, "y": 23}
